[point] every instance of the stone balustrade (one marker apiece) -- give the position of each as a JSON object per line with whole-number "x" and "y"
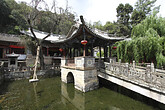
{"x": 79, "y": 62}
{"x": 144, "y": 76}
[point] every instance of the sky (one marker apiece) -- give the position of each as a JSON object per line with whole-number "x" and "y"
{"x": 98, "y": 10}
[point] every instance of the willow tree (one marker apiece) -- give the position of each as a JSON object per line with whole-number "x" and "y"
{"x": 147, "y": 44}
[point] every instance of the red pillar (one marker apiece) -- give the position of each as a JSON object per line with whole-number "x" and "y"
{"x": 47, "y": 51}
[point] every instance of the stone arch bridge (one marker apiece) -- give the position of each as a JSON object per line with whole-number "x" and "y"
{"x": 146, "y": 81}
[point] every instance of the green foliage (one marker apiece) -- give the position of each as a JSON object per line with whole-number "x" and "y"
{"x": 137, "y": 17}
{"x": 123, "y": 13}
{"x": 102, "y": 54}
{"x": 7, "y": 23}
{"x": 98, "y": 25}
{"x": 15, "y": 16}
{"x": 123, "y": 19}
{"x": 145, "y": 5}
{"x": 110, "y": 27}
{"x": 151, "y": 26}
{"x": 143, "y": 8}
{"x": 147, "y": 44}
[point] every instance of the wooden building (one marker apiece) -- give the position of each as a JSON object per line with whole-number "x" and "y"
{"x": 10, "y": 43}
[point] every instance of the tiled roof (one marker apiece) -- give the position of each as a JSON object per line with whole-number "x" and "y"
{"x": 9, "y": 38}
{"x": 41, "y": 35}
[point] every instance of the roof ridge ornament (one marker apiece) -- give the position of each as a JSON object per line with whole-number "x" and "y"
{"x": 82, "y": 20}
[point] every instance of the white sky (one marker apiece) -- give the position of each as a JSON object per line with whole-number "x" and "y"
{"x": 95, "y": 10}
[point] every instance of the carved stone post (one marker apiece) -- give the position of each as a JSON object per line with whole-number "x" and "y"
{"x": 119, "y": 61}
{"x": 133, "y": 64}
{"x": 148, "y": 73}
{"x": 110, "y": 60}
{"x": 119, "y": 67}
{"x": 127, "y": 67}
{"x": 152, "y": 68}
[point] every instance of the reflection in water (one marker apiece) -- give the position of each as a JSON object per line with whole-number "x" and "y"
{"x": 102, "y": 98}
{"x": 52, "y": 94}
{"x": 75, "y": 97}
{"x": 35, "y": 93}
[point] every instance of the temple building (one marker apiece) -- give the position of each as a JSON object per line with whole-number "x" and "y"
{"x": 9, "y": 44}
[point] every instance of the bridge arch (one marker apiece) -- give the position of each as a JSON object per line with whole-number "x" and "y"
{"x": 70, "y": 77}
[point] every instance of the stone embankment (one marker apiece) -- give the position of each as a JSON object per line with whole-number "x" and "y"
{"x": 1, "y": 72}
{"x": 13, "y": 74}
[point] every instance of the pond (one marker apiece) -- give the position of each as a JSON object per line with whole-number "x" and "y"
{"x": 52, "y": 94}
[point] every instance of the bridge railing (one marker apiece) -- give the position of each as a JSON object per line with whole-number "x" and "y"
{"x": 146, "y": 76}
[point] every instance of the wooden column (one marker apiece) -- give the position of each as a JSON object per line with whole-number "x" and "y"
{"x": 86, "y": 50}
{"x": 64, "y": 52}
{"x": 106, "y": 48}
{"x": 92, "y": 50}
{"x": 104, "y": 52}
{"x": 79, "y": 51}
{"x": 74, "y": 52}
{"x": 70, "y": 52}
{"x": 100, "y": 51}
{"x": 110, "y": 54}
{"x": 47, "y": 51}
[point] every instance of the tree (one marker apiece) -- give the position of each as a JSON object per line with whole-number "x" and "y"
{"x": 152, "y": 26}
{"x": 17, "y": 13}
{"x": 7, "y": 23}
{"x": 123, "y": 13}
{"x": 33, "y": 16}
{"x": 98, "y": 25}
{"x": 142, "y": 9}
{"x": 147, "y": 44}
{"x": 110, "y": 27}
{"x": 137, "y": 17}
{"x": 123, "y": 19}
{"x": 145, "y": 6}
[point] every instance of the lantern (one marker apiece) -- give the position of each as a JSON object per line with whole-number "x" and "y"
{"x": 84, "y": 42}
{"x": 60, "y": 49}
{"x": 114, "y": 47}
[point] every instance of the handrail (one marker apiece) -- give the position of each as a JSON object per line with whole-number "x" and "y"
{"x": 147, "y": 76}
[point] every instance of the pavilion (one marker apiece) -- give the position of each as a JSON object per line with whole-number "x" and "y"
{"x": 72, "y": 47}
{"x": 78, "y": 64}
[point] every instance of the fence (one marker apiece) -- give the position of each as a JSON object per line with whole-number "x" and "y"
{"x": 145, "y": 76}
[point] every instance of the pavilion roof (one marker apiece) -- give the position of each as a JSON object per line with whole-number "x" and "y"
{"x": 76, "y": 32}
{"x": 41, "y": 35}
{"x": 9, "y": 38}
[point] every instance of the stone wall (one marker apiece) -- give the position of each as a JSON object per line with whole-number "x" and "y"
{"x": 27, "y": 74}
{"x": 31, "y": 59}
{"x": 83, "y": 80}
{"x": 1, "y": 72}
{"x": 84, "y": 73}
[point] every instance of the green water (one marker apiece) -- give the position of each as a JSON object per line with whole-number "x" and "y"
{"x": 52, "y": 94}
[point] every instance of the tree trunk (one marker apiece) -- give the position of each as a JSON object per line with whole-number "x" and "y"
{"x": 36, "y": 62}
{"x": 42, "y": 65}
